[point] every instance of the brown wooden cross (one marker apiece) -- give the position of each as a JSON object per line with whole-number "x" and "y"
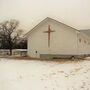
{"x": 49, "y": 34}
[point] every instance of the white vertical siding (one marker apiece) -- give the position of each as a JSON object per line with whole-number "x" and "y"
{"x": 63, "y": 41}
{"x": 84, "y": 46}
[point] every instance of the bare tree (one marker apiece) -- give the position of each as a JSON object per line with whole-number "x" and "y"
{"x": 10, "y": 33}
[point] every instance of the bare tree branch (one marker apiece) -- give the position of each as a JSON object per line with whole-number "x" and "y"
{"x": 9, "y": 32}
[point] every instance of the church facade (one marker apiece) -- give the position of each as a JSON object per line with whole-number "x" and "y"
{"x": 53, "y": 39}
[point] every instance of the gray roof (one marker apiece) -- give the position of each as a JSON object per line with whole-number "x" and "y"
{"x": 87, "y": 32}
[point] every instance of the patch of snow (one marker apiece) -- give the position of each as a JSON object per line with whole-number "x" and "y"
{"x": 43, "y": 75}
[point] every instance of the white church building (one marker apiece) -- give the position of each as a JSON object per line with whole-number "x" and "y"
{"x": 53, "y": 39}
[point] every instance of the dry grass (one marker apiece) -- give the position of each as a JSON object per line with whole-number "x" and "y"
{"x": 39, "y": 59}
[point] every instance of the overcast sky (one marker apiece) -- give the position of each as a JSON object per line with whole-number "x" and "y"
{"x": 75, "y": 13}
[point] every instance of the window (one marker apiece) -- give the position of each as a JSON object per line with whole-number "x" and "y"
{"x": 79, "y": 39}
{"x": 84, "y": 41}
{"x": 88, "y": 43}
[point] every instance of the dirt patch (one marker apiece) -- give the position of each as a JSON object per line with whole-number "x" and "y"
{"x": 39, "y": 59}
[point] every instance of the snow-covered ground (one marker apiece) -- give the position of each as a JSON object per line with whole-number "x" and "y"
{"x": 41, "y": 75}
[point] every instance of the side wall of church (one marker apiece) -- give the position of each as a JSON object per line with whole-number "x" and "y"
{"x": 83, "y": 44}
